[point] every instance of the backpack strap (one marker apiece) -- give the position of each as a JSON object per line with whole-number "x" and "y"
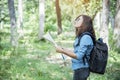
{"x": 86, "y": 33}
{"x": 85, "y": 57}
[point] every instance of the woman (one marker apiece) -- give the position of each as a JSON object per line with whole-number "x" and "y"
{"x": 82, "y": 47}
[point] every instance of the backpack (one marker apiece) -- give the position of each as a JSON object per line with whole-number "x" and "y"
{"x": 98, "y": 56}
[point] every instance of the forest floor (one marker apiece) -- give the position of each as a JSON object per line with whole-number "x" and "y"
{"x": 38, "y": 60}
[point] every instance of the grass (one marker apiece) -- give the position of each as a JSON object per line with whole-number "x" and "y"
{"x": 28, "y": 61}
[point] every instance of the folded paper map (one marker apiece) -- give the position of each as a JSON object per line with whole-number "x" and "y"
{"x": 49, "y": 38}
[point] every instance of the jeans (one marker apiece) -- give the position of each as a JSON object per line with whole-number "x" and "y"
{"x": 81, "y": 74}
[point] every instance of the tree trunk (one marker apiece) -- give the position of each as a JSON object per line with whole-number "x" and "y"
{"x": 58, "y": 12}
{"x": 42, "y": 18}
{"x": 117, "y": 25}
{"x": 11, "y": 8}
{"x": 20, "y": 18}
{"x": 20, "y": 14}
{"x": 105, "y": 21}
{"x": 1, "y": 17}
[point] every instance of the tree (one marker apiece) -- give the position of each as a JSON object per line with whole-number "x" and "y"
{"x": 112, "y": 12}
{"x": 1, "y": 25}
{"x": 20, "y": 14}
{"x": 42, "y": 18}
{"x": 105, "y": 21}
{"x": 58, "y": 12}
{"x": 20, "y": 18}
{"x": 11, "y": 8}
{"x": 117, "y": 25}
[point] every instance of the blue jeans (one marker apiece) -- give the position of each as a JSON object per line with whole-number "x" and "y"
{"x": 81, "y": 74}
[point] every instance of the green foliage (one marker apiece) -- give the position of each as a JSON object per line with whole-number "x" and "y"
{"x": 51, "y": 18}
{"x": 5, "y": 65}
{"x": 4, "y": 15}
{"x": 113, "y": 7}
{"x": 31, "y": 6}
{"x": 77, "y": 7}
{"x": 50, "y": 24}
{"x": 28, "y": 61}
{"x": 112, "y": 41}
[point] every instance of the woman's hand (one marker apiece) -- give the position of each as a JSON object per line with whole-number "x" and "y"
{"x": 66, "y": 52}
{"x": 59, "y": 49}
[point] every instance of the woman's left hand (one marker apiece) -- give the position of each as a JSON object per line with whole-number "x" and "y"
{"x": 59, "y": 49}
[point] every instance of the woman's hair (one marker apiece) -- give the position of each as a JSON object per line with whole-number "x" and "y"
{"x": 87, "y": 26}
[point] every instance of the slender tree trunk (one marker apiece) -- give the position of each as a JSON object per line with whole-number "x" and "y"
{"x": 1, "y": 21}
{"x": 42, "y": 18}
{"x": 1, "y": 24}
{"x": 13, "y": 39}
{"x": 20, "y": 18}
{"x": 105, "y": 21}
{"x": 117, "y": 25}
{"x": 58, "y": 12}
{"x": 20, "y": 14}
{"x": 97, "y": 20}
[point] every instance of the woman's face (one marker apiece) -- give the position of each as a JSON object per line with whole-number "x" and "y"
{"x": 79, "y": 27}
{"x": 78, "y": 22}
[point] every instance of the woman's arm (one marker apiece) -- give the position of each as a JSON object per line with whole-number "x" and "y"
{"x": 66, "y": 52}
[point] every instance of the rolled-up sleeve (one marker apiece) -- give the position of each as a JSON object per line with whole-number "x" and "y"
{"x": 85, "y": 42}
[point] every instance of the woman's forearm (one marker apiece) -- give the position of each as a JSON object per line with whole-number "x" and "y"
{"x": 69, "y": 53}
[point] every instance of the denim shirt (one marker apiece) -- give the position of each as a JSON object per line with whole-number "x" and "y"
{"x": 85, "y": 46}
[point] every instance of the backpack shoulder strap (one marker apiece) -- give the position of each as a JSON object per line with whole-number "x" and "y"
{"x": 86, "y": 33}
